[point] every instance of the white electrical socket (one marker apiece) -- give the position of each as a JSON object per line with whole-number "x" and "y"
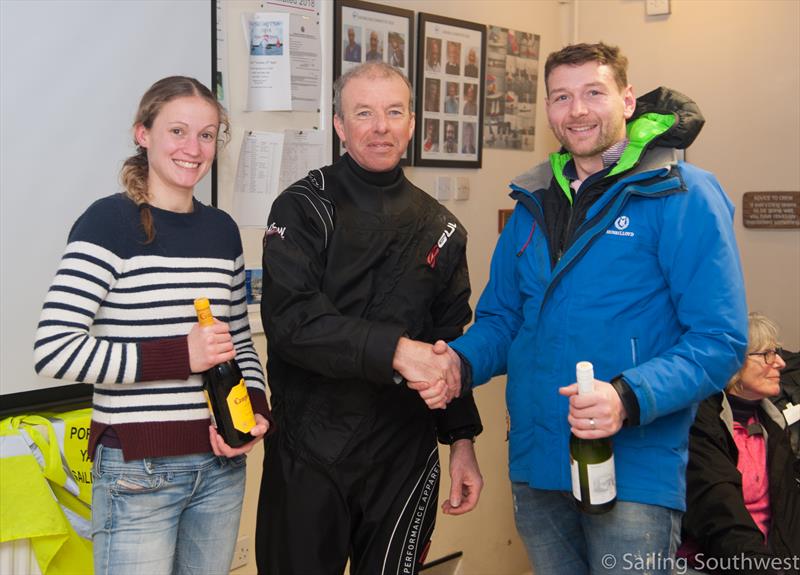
{"x": 241, "y": 553}
{"x": 462, "y": 188}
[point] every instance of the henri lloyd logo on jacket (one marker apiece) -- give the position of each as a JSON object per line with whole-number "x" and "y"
{"x": 620, "y": 226}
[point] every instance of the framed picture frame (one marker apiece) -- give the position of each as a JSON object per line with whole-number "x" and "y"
{"x": 451, "y": 74}
{"x": 503, "y": 215}
{"x": 364, "y": 32}
{"x": 512, "y": 72}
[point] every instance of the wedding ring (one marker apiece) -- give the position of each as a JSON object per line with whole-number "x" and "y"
{"x": 591, "y": 422}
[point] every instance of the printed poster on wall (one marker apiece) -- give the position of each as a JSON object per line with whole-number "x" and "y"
{"x": 512, "y": 75}
{"x": 306, "y": 61}
{"x": 269, "y": 73}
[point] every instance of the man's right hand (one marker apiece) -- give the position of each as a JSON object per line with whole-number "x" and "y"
{"x": 429, "y": 370}
{"x": 453, "y": 376}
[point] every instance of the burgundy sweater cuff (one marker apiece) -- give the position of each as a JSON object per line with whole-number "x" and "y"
{"x": 164, "y": 359}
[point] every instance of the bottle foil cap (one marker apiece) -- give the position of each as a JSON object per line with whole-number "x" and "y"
{"x": 584, "y": 373}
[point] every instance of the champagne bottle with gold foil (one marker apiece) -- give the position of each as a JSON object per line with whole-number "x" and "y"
{"x": 226, "y": 392}
{"x": 594, "y": 484}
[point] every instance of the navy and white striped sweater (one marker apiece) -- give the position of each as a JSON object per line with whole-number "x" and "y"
{"x": 118, "y": 312}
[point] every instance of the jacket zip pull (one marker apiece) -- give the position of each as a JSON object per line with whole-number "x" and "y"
{"x": 528, "y": 241}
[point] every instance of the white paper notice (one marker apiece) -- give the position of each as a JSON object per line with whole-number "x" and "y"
{"x": 269, "y": 162}
{"x": 306, "y": 61}
{"x": 257, "y": 178}
{"x": 302, "y": 152}
{"x": 269, "y": 76}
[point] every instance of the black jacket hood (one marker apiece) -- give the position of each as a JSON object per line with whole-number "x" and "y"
{"x": 689, "y": 119}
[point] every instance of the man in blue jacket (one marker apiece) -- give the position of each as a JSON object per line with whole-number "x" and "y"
{"x": 619, "y": 254}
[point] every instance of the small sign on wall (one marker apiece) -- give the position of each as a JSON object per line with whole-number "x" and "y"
{"x": 771, "y": 210}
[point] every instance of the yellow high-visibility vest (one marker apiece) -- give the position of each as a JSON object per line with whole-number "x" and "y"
{"x": 44, "y": 497}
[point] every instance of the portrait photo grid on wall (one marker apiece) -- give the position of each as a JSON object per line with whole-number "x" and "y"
{"x": 450, "y": 80}
{"x": 367, "y": 32}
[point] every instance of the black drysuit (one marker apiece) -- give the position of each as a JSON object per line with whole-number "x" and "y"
{"x": 352, "y": 261}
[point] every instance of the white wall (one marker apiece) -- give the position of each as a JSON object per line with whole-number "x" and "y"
{"x": 71, "y": 76}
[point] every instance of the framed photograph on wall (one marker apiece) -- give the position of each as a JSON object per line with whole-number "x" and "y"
{"x": 365, "y": 32}
{"x": 512, "y": 73}
{"x": 450, "y": 86}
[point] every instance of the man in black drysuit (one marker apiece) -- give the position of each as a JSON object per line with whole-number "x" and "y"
{"x": 363, "y": 272}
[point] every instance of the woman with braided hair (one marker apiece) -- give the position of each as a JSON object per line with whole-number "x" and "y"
{"x": 167, "y": 490}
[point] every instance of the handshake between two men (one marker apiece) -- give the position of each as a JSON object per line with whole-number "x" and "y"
{"x": 434, "y": 371}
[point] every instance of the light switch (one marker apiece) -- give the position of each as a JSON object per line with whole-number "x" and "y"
{"x": 657, "y": 7}
{"x": 444, "y": 188}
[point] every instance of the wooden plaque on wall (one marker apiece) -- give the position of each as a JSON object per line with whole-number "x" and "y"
{"x": 771, "y": 210}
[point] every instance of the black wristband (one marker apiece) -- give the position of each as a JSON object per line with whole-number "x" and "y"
{"x": 629, "y": 401}
{"x": 466, "y": 375}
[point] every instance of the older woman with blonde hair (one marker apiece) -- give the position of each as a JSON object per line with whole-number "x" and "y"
{"x": 742, "y": 493}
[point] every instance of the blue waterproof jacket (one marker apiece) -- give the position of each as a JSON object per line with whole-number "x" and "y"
{"x": 651, "y": 289}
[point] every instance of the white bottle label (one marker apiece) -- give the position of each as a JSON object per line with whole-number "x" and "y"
{"x": 602, "y": 481}
{"x": 576, "y": 482}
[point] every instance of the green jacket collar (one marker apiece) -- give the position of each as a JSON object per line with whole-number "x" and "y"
{"x": 641, "y": 133}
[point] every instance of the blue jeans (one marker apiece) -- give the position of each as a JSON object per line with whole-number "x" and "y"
{"x": 165, "y": 515}
{"x": 561, "y": 540}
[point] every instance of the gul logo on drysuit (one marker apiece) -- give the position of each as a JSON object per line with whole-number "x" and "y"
{"x": 434, "y": 253}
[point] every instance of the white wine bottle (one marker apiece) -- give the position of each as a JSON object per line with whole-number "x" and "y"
{"x": 594, "y": 484}
{"x": 226, "y": 392}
